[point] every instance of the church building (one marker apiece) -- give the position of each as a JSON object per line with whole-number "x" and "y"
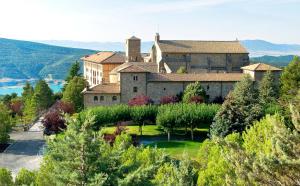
{"x": 116, "y": 77}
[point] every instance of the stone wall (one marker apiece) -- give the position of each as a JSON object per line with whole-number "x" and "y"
{"x": 156, "y": 90}
{"x": 202, "y": 63}
{"x": 89, "y": 99}
{"x": 127, "y": 83}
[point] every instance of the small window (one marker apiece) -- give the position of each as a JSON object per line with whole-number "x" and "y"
{"x": 114, "y": 98}
{"x": 135, "y": 89}
{"x": 135, "y": 78}
{"x": 207, "y": 87}
{"x": 164, "y": 88}
{"x": 95, "y": 98}
{"x": 101, "y": 98}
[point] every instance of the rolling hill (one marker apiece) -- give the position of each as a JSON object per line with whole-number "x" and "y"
{"x": 24, "y": 59}
{"x": 279, "y": 61}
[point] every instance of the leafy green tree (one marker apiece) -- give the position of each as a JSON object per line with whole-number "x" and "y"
{"x": 268, "y": 89}
{"x": 25, "y": 177}
{"x": 181, "y": 70}
{"x": 5, "y": 124}
{"x": 8, "y": 97}
{"x": 43, "y": 94}
{"x": 73, "y": 94}
{"x": 192, "y": 90}
{"x": 290, "y": 80}
{"x": 27, "y": 91}
{"x": 141, "y": 114}
{"x": 5, "y": 177}
{"x": 239, "y": 110}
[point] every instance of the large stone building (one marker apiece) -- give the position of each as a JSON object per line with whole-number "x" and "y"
{"x": 116, "y": 78}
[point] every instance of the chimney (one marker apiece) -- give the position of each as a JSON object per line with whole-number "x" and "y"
{"x": 157, "y": 37}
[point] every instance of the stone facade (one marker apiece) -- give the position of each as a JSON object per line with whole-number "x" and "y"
{"x": 97, "y": 99}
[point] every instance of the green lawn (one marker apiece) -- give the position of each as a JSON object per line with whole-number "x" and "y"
{"x": 177, "y": 148}
{"x": 180, "y": 140}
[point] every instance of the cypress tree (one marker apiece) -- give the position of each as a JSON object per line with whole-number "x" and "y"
{"x": 44, "y": 95}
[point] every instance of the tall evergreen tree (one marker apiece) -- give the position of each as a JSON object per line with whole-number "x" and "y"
{"x": 43, "y": 94}
{"x": 5, "y": 124}
{"x": 72, "y": 93}
{"x": 76, "y": 154}
{"x": 27, "y": 91}
{"x": 239, "y": 110}
{"x": 74, "y": 71}
{"x": 30, "y": 109}
{"x": 268, "y": 89}
{"x": 290, "y": 80}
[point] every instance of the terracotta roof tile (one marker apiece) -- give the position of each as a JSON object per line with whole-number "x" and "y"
{"x": 109, "y": 88}
{"x": 189, "y": 46}
{"x": 136, "y": 67}
{"x": 212, "y": 77}
{"x": 261, "y": 67}
{"x": 105, "y": 57}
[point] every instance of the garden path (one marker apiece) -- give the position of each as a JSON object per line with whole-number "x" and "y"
{"x": 26, "y": 150}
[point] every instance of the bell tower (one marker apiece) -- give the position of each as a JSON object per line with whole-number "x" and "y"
{"x": 133, "y": 49}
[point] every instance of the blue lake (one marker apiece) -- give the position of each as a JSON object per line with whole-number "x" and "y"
{"x": 16, "y": 86}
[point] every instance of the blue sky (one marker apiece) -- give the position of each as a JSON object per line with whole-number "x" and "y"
{"x": 114, "y": 20}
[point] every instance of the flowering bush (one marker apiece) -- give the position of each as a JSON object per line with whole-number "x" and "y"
{"x": 140, "y": 100}
{"x": 168, "y": 99}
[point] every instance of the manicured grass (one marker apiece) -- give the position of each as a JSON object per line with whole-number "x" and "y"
{"x": 148, "y": 130}
{"x": 180, "y": 143}
{"x": 178, "y": 148}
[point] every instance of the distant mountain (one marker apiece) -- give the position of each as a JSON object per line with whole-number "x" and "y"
{"x": 279, "y": 61}
{"x": 261, "y": 48}
{"x": 255, "y": 47}
{"x": 101, "y": 46}
{"x": 24, "y": 59}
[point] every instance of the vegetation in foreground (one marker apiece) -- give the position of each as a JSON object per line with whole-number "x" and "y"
{"x": 248, "y": 149}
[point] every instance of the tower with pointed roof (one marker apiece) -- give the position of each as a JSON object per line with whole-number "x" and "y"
{"x": 133, "y": 49}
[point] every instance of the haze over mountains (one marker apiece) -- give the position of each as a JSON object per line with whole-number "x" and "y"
{"x": 24, "y": 59}
{"x": 255, "y": 47}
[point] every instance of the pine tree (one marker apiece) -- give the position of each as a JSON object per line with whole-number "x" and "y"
{"x": 239, "y": 110}
{"x": 43, "y": 94}
{"x": 268, "y": 89}
{"x": 30, "y": 109}
{"x": 5, "y": 124}
{"x": 27, "y": 91}
{"x": 290, "y": 80}
{"x": 76, "y": 154}
{"x": 72, "y": 93}
{"x": 74, "y": 71}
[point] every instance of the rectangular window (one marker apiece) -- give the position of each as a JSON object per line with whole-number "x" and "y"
{"x": 135, "y": 78}
{"x": 135, "y": 89}
{"x": 101, "y": 98}
{"x": 114, "y": 98}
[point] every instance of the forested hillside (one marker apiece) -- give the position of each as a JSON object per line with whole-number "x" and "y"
{"x": 279, "y": 61}
{"x": 23, "y": 59}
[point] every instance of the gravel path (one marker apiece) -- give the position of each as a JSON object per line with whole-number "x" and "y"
{"x": 26, "y": 150}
